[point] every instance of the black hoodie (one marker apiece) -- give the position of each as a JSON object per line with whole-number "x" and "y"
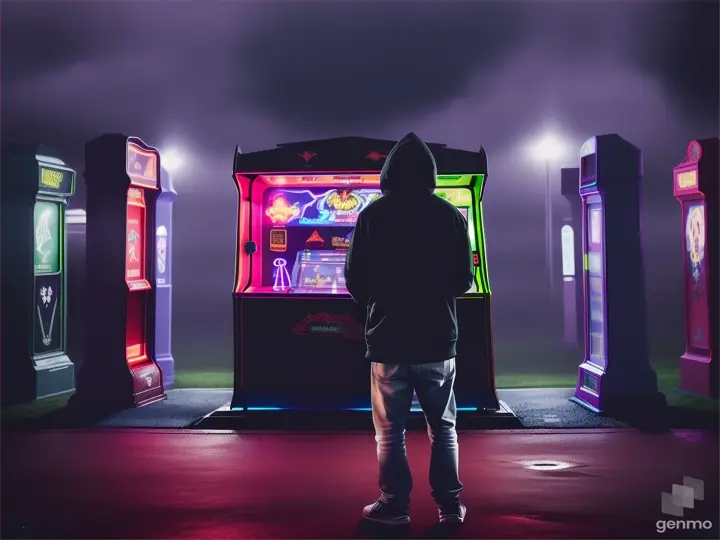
{"x": 409, "y": 260}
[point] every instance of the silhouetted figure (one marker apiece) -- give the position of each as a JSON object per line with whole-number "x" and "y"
{"x": 409, "y": 260}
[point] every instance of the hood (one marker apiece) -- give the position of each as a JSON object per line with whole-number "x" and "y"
{"x": 409, "y": 168}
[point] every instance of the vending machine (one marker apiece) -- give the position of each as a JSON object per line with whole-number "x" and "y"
{"x": 696, "y": 187}
{"x": 122, "y": 175}
{"x": 615, "y": 375}
{"x": 36, "y": 188}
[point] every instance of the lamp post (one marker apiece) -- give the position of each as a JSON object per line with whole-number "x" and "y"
{"x": 548, "y": 149}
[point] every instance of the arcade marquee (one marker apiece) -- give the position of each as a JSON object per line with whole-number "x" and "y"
{"x": 299, "y": 335}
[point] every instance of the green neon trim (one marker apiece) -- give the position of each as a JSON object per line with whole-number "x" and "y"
{"x": 474, "y": 184}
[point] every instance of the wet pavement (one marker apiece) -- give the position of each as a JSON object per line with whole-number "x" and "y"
{"x": 190, "y": 484}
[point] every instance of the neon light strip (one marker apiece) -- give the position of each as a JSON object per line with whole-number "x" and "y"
{"x": 360, "y": 409}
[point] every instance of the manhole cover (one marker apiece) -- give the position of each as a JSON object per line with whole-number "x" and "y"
{"x": 545, "y": 465}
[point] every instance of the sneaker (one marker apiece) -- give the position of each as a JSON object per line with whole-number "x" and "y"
{"x": 381, "y": 512}
{"x": 452, "y": 513}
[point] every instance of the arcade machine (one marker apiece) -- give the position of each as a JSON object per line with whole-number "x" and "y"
{"x": 163, "y": 278}
{"x": 299, "y": 336}
{"x": 696, "y": 187}
{"x": 120, "y": 371}
{"x": 615, "y": 375}
{"x": 571, "y": 251}
{"x": 36, "y": 188}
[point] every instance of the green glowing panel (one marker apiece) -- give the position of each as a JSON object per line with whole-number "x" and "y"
{"x": 458, "y": 180}
{"x": 47, "y": 240}
{"x": 462, "y": 199}
{"x": 465, "y": 192}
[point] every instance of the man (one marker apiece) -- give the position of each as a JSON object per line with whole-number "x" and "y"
{"x": 409, "y": 260}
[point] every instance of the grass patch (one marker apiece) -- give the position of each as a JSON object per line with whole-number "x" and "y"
{"x": 535, "y": 380}
{"x": 34, "y": 409}
{"x": 204, "y": 379}
{"x": 667, "y": 378}
{"x": 680, "y": 399}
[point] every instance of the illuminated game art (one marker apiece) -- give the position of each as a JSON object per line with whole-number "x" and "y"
{"x": 320, "y": 271}
{"x": 315, "y": 224}
{"x": 312, "y": 227}
{"x": 320, "y": 207}
{"x": 135, "y": 241}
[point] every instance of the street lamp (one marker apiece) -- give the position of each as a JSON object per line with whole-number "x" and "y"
{"x": 546, "y": 149}
{"x": 172, "y": 159}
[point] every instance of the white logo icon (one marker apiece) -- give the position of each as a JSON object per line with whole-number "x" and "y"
{"x": 46, "y": 295}
{"x": 683, "y": 496}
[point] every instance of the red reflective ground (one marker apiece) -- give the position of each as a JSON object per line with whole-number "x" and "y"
{"x": 185, "y": 484}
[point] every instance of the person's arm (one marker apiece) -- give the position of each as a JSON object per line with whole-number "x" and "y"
{"x": 464, "y": 269}
{"x": 357, "y": 264}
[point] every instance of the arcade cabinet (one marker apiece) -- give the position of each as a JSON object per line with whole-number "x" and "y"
{"x": 163, "y": 278}
{"x": 696, "y": 187}
{"x": 615, "y": 375}
{"x": 36, "y": 188}
{"x": 571, "y": 251}
{"x": 299, "y": 335}
{"x": 120, "y": 370}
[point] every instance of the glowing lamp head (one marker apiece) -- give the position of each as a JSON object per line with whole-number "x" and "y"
{"x": 548, "y": 148}
{"x": 172, "y": 160}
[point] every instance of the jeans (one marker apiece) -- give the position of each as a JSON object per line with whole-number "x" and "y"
{"x": 391, "y": 392}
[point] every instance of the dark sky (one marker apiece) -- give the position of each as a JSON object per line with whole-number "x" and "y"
{"x": 204, "y": 76}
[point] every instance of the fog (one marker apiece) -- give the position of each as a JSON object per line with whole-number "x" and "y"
{"x": 204, "y": 77}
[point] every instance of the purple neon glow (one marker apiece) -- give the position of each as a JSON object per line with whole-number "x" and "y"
{"x": 282, "y": 277}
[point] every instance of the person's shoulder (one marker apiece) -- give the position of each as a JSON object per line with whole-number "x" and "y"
{"x": 374, "y": 207}
{"x": 446, "y": 207}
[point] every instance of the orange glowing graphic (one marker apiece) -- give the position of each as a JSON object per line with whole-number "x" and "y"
{"x": 343, "y": 200}
{"x": 280, "y": 212}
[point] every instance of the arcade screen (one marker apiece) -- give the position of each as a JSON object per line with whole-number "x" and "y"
{"x": 307, "y": 232}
